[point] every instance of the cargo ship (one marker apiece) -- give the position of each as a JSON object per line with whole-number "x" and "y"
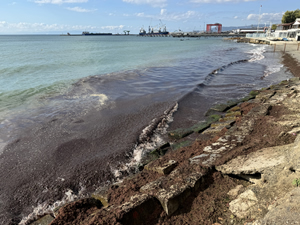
{"x": 162, "y": 30}
{"x": 151, "y": 31}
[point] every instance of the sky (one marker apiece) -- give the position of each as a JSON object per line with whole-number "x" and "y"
{"x": 115, "y": 16}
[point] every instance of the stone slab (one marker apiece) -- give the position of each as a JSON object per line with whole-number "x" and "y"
{"x": 256, "y": 162}
{"x": 285, "y": 211}
{"x": 164, "y": 169}
{"x": 45, "y": 220}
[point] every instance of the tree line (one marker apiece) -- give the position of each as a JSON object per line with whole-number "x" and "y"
{"x": 288, "y": 17}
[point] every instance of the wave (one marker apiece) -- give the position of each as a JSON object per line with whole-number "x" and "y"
{"x": 257, "y": 54}
{"x": 271, "y": 70}
{"x": 46, "y": 208}
{"x": 149, "y": 139}
{"x": 211, "y": 75}
{"x": 12, "y": 99}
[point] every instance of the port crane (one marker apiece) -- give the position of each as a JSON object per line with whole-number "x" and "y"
{"x": 126, "y": 32}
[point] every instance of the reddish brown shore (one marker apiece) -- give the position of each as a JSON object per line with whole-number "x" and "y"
{"x": 209, "y": 203}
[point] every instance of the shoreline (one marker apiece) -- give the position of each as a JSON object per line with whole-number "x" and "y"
{"x": 207, "y": 178}
{"x": 61, "y": 150}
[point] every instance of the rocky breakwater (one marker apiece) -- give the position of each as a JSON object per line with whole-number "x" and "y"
{"x": 250, "y": 40}
{"x": 274, "y": 171}
{"x": 240, "y": 166}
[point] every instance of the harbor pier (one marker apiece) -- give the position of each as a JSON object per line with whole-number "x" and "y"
{"x": 199, "y": 35}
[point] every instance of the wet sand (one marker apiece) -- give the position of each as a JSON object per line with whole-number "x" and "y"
{"x": 290, "y": 47}
{"x": 291, "y": 57}
{"x": 210, "y": 205}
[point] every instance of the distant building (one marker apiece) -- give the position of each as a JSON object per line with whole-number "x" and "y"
{"x": 296, "y": 25}
{"x": 291, "y": 31}
{"x": 284, "y": 26}
{"x": 250, "y": 30}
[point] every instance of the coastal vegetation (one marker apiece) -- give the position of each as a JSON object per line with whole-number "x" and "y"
{"x": 290, "y": 16}
{"x": 296, "y": 182}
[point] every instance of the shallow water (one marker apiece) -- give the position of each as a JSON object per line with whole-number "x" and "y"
{"x": 73, "y": 109}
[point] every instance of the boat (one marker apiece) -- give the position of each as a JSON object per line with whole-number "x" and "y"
{"x": 162, "y": 30}
{"x": 86, "y": 33}
{"x": 154, "y": 32}
{"x": 142, "y": 31}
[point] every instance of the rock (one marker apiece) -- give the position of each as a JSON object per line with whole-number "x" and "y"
{"x": 222, "y": 125}
{"x": 161, "y": 150}
{"x": 213, "y": 130}
{"x": 228, "y": 119}
{"x": 234, "y": 192}
{"x": 224, "y": 107}
{"x": 200, "y": 127}
{"x": 205, "y": 125}
{"x": 181, "y": 144}
{"x": 295, "y": 79}
{"x": 285, "y": 211}
{"x": 174, "y": 193}
{"x": 212, "y": 158}
{"x": 198, "y": 158}
{"x": 173, "y": 198}
{"x": 260, "y": 110}
{"x": 102, "y": 196}
{"x": 45, "y": 220}
{"x": 77, "y": 210}
{"x": 234, "y": 113}
{"x": 247, "y": 98}
{"x": 295, "y": 131}
{"x": 265, "y": 95}
{"x": 241, "y": 207}
{"x": 235, "y": 108}
{"x": 148, "y": 188}
{"x": 180, "y": 133}
{"x": 141, "y": 208}
{"x": 256, "y": 162}
{"x": 164, "y": 169}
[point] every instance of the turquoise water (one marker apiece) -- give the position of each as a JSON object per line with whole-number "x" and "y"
{"x": 32, "y": 61}
{"x": 47, "y": 65}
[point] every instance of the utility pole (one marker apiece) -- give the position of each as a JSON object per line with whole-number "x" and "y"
{"x": 259, "y": 18}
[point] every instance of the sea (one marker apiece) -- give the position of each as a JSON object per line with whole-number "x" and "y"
{"x": 80, "y": 112}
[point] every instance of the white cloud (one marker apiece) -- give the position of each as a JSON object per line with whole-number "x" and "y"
{"x": 59, "y": 2}
{"x": 220, "y": 1}
{"x": 31, "y": 28}
{"x": 79, "y": 9}
{"x": 112, "y": 27}
{"x": 165, "y": 16}
{"x": 266, "y": 17}
{"x": 163, "y": 11}
{"x": 142, "y": 15}
{"x": 235, "y": 17}
{"x": 153, "y": 3}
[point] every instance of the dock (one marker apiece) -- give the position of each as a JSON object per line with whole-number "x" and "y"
{"x": 206, "y": 35}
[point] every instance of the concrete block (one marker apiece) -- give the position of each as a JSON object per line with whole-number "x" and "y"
{"x": 140, "y": 209}
{"x": 45, "y": 220}
{"x": 173, "y": 198}
{"x": 164, "y": 169}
